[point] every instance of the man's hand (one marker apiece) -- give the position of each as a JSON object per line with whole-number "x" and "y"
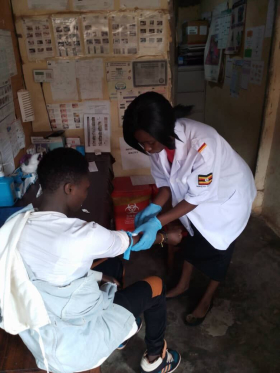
{"x": 110, "y": 279}
{"x": 174, "y": 236}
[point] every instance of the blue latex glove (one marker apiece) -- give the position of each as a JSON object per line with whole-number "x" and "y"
{"x": 149, "y": 212}
{"x": 126, "y": 254}
{"x": 149, "y": 229}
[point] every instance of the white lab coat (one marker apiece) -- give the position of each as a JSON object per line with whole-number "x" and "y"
{"x": 224, "y": 202}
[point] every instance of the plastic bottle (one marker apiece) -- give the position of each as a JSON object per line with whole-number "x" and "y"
{"x": 7, "y": 190}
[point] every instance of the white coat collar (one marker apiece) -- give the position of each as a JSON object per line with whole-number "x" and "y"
{"x": 179, "y": 153}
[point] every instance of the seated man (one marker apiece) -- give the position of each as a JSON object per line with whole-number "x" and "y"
{"x": 88, "y": 320}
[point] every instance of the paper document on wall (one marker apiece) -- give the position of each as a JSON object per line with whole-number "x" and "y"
{"x": 126, "y": 97}
{"x": 228, "y": 70}
{"x": 48, "y": 4}
{"x": 38, "y": 38}
{"x": 4, "y": 66}
{"x": 124, "y": 29}
{"x": 119, "y": 77}
{"x": 7, "y": 42}
{"x": 149, "y": 73}
{"x": 212, "y": 54}
{"x": 67, "y": 35}
{"x": 12, "y": 133}
{"x": 97, "y": 107}
{"x": 6, "y": 151}
{"x": 6, "y": 95}
{"x": 97, "y": 129}
{"x": 64, "y": 84}
{"x": 20, "y": 133}
{"x": 142, "y": 180}
{"x": 93, "y": 4}
{"x": 238, "y": 18}
{"x": 151, "y": 34}
{"x": 222, "y": 26}
{"x": 246, "y": 72}
{"x": 219, "y": 9}
{"x": 256, "y": 75}
{"x": 269, "y": 19}
{"x": 96, "y": 34}
{"x": 131, "y": 158}
{"x": 254, "y": 43}
{"x": 66, "y": 116}
{"x": 236, "y": 78}
{"x": 143, "y": 4}
{"x": 90, "y": 75}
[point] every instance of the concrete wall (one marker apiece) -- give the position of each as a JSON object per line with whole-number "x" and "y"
{"x": 239, "y": 120}
{"x": 271, "y": 202}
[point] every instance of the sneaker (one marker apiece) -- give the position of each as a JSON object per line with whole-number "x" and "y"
{"x": 139, "y": 325}
{"x": 168, "y": 362}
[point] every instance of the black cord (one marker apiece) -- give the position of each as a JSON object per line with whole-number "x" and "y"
{"x": 42, "y": 88}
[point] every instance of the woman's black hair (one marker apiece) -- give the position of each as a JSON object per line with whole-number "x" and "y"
{"x": 152, "y": 113}
{"x": 61, "y": 166}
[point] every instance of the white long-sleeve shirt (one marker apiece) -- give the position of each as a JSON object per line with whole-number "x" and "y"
{"x": 60, "y": 250}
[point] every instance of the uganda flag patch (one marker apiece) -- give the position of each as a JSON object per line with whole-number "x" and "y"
{"x": 205, "y": 179}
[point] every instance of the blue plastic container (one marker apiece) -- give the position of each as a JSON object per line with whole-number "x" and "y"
{"x": 7, "y": 191}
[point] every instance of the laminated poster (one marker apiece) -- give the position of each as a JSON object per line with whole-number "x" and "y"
{"x": 97, "y": 129}
{"x": 7, "y": 43}
{"x": 151, "y": 34}
{"x": 64, "y": 84}
{"x": 143, "y": 4}
{"x": 90, "y": 75}
{"x": 119, "y": 77}
{"x": 66, "y": 116}
{"x": 67, "y": 35}
{"x": 96, "y": 34}
{"x": 48, "y": 4}
{"x": 93, "y": 4}
{"x": 212, "y": 54}
{"x": 238, "y": 18}
{"x": 39, "y": 44}
{"x": 124, "y": 29}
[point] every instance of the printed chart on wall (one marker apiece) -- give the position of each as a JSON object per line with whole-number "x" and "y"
{"x": 97, "y": 127}
{"x": 66, "y": 116}
{"x": 64, "y": 84}
{"x": 48, "y": 5}
{"x": 143, "y": 4}
{"x": 38, "y": 39}
{"x": 149, "y": 73}
{"x": 67, "y": 35}
{"x": 119, "y": 77}
{"x": 93, "y": 4}
{"x": 90, "y": 74}
{"x": 132, "y": 158}
{"x": 124, "y": 29}
{"x": 238, "y": 18}
{"x": 126, "y": 97}
{"x": 254, "y": 43}
{"x": 7, "y": 43}
{"x": 212, "y": 53}
{"x": 151, "y": 34}
{"x": 96, "y": 34}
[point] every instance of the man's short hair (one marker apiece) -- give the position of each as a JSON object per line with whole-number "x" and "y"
{"x": 61, "y": 166}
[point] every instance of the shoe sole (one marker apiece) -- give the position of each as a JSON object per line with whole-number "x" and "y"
{"x": 179, "y": 362}
{"x": 170, "y": 371}
{"x": 122, "y": 348}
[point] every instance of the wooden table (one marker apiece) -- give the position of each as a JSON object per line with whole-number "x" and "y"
{"x": 14, "y": 355}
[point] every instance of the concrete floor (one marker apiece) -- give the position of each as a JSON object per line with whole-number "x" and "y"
{"x": 242, "y": 332}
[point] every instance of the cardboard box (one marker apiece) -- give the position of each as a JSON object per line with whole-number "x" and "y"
{"x": 195, "y": 32}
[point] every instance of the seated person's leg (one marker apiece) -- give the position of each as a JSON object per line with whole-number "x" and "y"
{"x": 112, "y": 267}
{"x": 148, "y": 296}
